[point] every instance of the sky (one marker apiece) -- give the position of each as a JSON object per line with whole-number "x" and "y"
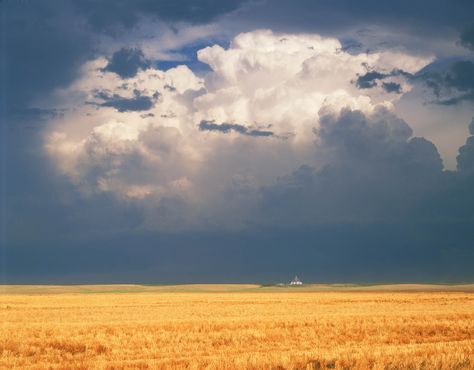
{"x": 236, "y": 141}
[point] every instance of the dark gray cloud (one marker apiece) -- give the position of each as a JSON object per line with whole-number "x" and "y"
{"x": 126, "y": 62}
{"x": 392, "y": 87}
{"x": 467, "y": 37}
{"x": 374, "y": 172}
{"x": 377, "y": 174}
{"x": 110, "y": 15}
{"x": 147, "y": 115}
{"x": 427, "y": 19}
{"x": 327, "y": 253}
{"x": 371, "y": 79}
{"x": 351, "y": 45}
{"x": 465, "y": 158}
{"x": 451, "y": 84}
{"x": 44, "y": 43}
{"x": 36, "y": 114}
{"x": 137, "y": 103}
{"x": 42, "y": 46}
{"x": 401, "y": 218}
{"x": 229, "y": 127}
{"x": 460, "y": 76}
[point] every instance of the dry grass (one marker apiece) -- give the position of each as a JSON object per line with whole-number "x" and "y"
{"x": 238, "y": 330}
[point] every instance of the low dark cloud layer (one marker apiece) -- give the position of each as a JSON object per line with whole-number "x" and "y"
{"x": 381, "y": 210}
{"x": 324, "y": 254}
{"x": 229, "y": 127}
{"x": 372, "y": 79}
{"x": 392, "y": 87}
{"x": 369, "y": 80}
{"x": 137, "y": 103}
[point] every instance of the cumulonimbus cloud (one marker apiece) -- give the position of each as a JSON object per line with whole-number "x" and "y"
{"x": 170, "y": 148}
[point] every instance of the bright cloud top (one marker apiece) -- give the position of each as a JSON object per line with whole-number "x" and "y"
{"x": 196, "y": 151}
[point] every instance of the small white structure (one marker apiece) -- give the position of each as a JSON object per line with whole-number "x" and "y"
{"x": 296, "y": 281}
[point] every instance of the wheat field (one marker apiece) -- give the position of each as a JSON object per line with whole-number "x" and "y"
{"x": 250, "y": 328}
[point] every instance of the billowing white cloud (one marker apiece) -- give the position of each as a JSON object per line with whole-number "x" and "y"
{"x": 141, "y": 138}
{"x": 284, "y": 80}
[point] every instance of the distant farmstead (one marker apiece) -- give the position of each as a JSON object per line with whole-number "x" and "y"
{"x": 296, "y": 281}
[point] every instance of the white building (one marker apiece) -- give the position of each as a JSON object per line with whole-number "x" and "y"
{"x": 296, "y": 281}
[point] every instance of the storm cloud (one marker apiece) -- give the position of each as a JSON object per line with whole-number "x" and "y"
{"x": 452, "y": 85}
{"x": 228, "y": 127}
{"x": 373, "y": 171}
{"x": 127, "y": 62}
{"x": 44, "y": 43}
{"x": 139, "y": 141}
{"x": 136, "y": 103}
{"x": 371, "y": 79}
{"x": 467, "y": 37}
{"x": 465, "y": 158}
{"x": 392, "y": 87}
{"x": 109, "y": 15}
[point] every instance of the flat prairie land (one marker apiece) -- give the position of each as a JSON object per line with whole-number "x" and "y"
{"x": 236, "y": 327}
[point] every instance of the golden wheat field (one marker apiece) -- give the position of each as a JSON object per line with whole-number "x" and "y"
{"x": 244, "y": 328}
